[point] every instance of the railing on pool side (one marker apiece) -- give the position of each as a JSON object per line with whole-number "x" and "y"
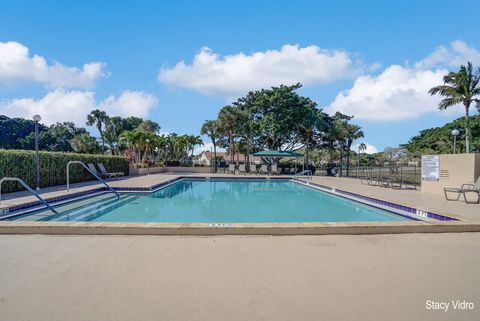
{"x": 19, "y": 180}
{"x": 91, "y": 172}
{"x": 306, "y": 173}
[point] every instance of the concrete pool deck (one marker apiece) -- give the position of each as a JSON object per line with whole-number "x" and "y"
{"x": 468, "y": 214}
{"x": 351, "y": 277}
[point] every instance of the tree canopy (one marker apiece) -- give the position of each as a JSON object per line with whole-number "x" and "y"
{"x": 439, "y": 140}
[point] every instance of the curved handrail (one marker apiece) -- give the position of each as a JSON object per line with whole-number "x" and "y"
{"x": 306, "y": 172}
{"x": 94, "y": 175}
{"x": 28, "y": 188}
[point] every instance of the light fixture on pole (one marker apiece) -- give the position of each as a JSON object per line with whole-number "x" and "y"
{"x": 455, "y": 133}
{"x": 36, "y": 119}
{"x": 148, "y": 161}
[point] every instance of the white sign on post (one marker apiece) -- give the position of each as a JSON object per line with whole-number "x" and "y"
{"x": 430, "y": 168}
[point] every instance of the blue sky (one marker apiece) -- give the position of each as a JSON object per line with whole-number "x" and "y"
{"x": 373, "y": 59}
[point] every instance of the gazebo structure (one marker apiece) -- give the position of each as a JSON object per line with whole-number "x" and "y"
{"x": 273, "y": 154}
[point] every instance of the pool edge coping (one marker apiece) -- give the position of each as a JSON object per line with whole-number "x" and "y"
{"x": 206, "y": 229}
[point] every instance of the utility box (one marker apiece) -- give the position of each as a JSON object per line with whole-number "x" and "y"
{"x": 448, "y": 170}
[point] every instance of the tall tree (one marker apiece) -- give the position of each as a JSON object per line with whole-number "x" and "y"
{"x": 149, "y": 126}
{"x": 211, "y": 128}
{"x": 98, "y": 118}
{"x": 353, "y": 132}
{"x": 113, "y": 130}
{"x": 84, "y": 143}
{"x": 13, "y": 131}
{"x": 276, "y": 114}
{"x": 340, "y": 123}
{"x": 245, "y": 130}
{"x": 462, "y": 87}
{"x": 227, "y": 118}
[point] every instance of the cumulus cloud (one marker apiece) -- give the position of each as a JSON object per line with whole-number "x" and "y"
{"x": 454, "y": 55}
{"x": 398, "y": 93}
{"x": 129, "y": 103}
{"x": 401, "y": 92}
{"x": 211, "y": 73}
{"x": 61, "y": 105}
{"x": 206, "y": 147}
{"x": 17, "y": 65}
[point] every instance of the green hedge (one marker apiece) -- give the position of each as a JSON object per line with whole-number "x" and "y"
{"x": 53, "y": 167}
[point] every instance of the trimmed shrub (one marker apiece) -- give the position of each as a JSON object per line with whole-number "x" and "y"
{"x": 53, "y": 167}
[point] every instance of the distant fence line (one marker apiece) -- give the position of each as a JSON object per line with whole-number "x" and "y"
{"x": 410, "y": 173}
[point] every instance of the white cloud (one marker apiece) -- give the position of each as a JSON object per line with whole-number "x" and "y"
{"x": 401, "y": 92}
{"x": 16, "y": 65}
{"x": 206, "y": 147}
{"x": 370, "y": 148}
{"x": 456, "y": 54}
{"x": 61, "y": 105}
{"x": 398, "y": 93}
{"x": 212, "y": 73}
{"x": 129, "y": 103}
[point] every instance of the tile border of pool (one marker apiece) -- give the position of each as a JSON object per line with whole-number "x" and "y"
{"x": 410, "y": 212}
{"x": 435, "y": 223}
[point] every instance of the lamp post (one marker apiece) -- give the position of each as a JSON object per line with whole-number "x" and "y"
{"x": 358, "y": 161}
{"x": 455, "y": 133}
{"x": 36, "y": 119}
{"x": 148, "y": 164}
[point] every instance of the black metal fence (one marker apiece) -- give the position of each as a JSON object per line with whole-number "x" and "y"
{"x": 410, "y": 174}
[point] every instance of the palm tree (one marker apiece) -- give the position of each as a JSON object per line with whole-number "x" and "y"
{"x": 98, "y": 118}
{"x": 361, "y": 149}
{"x": 113, "y": 130}
{"x": 211, "y": 128}
{"x": 245, "y": 130}
{"x": 353, "y": 132}
{"x": 83, "y": 143}
{"x": 460, "y": 87}
{"x": 192, "y": 142}
{"x": 228, "y": 121}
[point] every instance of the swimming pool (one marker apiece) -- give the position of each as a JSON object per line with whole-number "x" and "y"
{"x": 225, "y": 201}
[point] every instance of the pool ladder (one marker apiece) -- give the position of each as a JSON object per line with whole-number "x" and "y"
{"x": 28, "y": 188}
{"x": 91, "y": 172}
{"x": 306, "y": 173}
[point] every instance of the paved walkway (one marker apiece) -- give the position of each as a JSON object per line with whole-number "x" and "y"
{"x": 376, "y": 277}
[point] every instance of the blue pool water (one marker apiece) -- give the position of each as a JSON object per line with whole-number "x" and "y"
{"x": 220, "y": 201}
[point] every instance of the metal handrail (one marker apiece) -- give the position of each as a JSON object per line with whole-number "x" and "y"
{"x": 91, "y": 172}
{"x": 306, "y": 172}
{"x": 28, "y": 188}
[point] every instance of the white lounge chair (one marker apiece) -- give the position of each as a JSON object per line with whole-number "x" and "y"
{"x": 253, "y": 169}
{"x": 241, "y": 169}
{"x": 103, "y": 170}
{"x": 469, "y": 188}
{"x": 93, "y": 169}
{"x": 264, "y": 169}
{"x": 231, "y": 169}
{"x": 274, "y": 169}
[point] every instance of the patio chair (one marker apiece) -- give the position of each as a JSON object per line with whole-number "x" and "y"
{"x": 264, "y": 169}
{"x": 231, "y": 169}
{"x": 292, "y": 171}
{"x": 241, "y": 169}
{"x": 253, "y": 169}
{"x": 473, "y": 188}
{"x": 104, "y": 171}
{"x": 94, "y": 170}
{"x": 274, "y": 169}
